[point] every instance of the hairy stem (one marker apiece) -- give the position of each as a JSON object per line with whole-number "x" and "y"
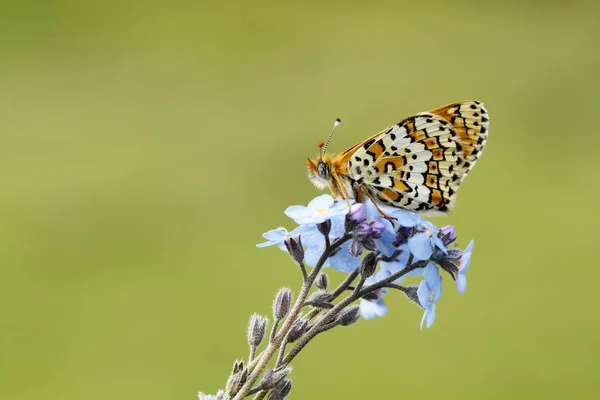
{"x": 256, "y": 390}
{"x": 356, "y": 294}
{"x": 261, "y": 395}
{"x": 287, "y": 324}
{"x": 344, "y": 285}
{"x": 359, "y": 285}
{"x": 303, "y": 270}
{"x": 252, "y": 353}
{"x": 410, "y": 266}
{"x": 273, "y": 331}
{"x": 284, "y": 343}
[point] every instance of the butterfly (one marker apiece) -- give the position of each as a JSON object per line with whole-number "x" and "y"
{"x": 416, "y": 165}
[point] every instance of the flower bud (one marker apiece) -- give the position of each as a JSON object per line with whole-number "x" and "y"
{"x": 238, "y": 365}
{"x": 322, "y": 281}
{"x": 324, "y": 227}
{"x": 297, "y": 330}
{"x": 281, "y": 391}
{"x": 363, "y": 229}
{"x": 447, "y": 234}
{"x": 357, "y": 213}
{"x": 356, "y": 248}
{"x": 368, "y": 265}
{"x": 454, "y": 255}
{"x": 320, "y": 299}
{"x": 295, "y": 249}
{"x": 256, "y": 330}
{"x": 219, "y": 396}
{"x": 282, "y": 303}
{"x": 411, "y": 293}
{"x": 236, "y": 380}
{"x": 371, "y": 296}
{"x": 402, "y": 235}
{"x": 349, "y": 316}
{"x": 378, "y": 228}
{"x": 449, "y": 267}
{"x": 273, "y": 376}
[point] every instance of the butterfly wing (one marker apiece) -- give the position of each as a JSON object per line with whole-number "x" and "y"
{"x": 419, "y": 163}
{"x": 471, "y": 121}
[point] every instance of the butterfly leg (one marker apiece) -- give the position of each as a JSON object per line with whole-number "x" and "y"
{"x": 341, "y": 189}
{"x": 362, "y": 188}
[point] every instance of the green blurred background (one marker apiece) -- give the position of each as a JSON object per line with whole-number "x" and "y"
{"x": 146, "y": 146}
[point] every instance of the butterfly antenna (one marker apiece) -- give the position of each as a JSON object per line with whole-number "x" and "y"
{"x": 335, "y": 125}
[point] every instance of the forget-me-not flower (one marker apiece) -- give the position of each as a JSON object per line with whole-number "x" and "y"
{"x": 463, "y": 266}
{"x": 373, "y": 306}
{"x": 320, "y": 209}
{"x": 278, "y": 236}
{"x": 429, "y": 292}
{"x": 390, "y": 242}
{"x": 423, "y": 244}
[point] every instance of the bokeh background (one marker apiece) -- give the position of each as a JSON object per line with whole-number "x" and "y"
{"x": 146, "y": 145}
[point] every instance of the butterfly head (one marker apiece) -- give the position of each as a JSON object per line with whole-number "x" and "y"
{"x": 319, "y": 170}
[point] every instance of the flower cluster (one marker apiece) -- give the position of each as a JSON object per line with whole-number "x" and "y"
{"x": 392, "y": 240}
{"x": 376, "y": 250}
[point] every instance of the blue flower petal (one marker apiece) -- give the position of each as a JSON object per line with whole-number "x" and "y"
{"x": 368, "y": 309}
{"x": 437, "y": 242}
{"x": 461, "y": 283}
{"x": 322, "y": 201}
{"x": 416, "y": 272}
{"x": 385, "y": 243}
{"x": 406, "y": 218}
{"x": 313, "y": 238}
{"x": 371, "y": 309}
{"x": 438, "y": 291}
{"x": 320, "y": 209}
{"x": 343, "y": 261}
{"x": 396, "y": 266}
{"x": 276, "y": 234}
{"x": 392, "y": 267}
{"x": 304, "y": 229}
{"x": 337, "y": 226}
{"x": 431, "y": 275}
{"x": 470, "y": 247}
{"x": 296, "y": 212}
{"x": 312, "y": 219}
{"x": 371, "y": 211}
{"x": 277, "y": 237}
{"x": 424, "y": 317}
{"x": 420, "y": 246}
{"x": 370, "y": 280}
{"x": 313, "y": 254}
{"x": 430, "y": 315}
{"x": 465, "y": 260}
{"x": 427, "y": 225}
{"x": 339, "y": 208}
{"x": 379, "y": 276}
{"x": 381, "y": 309}
{"x": 423, "y": 293}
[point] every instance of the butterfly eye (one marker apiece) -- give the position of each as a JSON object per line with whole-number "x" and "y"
{"x": 323, "y": 170}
